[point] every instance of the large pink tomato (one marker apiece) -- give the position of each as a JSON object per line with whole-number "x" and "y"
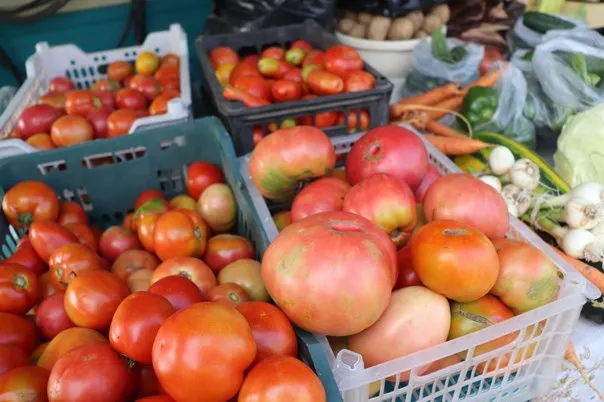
{"x": 527, "y": 277}
{"x": 387, "y": 202}
{"x": 324, "y": 195}
{"x": 388, "y": 149}
{"x": 287, "y": 156}
{"x": 463, "y": 198}
{"x": 432, "y": 174}
{"x": 330, "y": 273}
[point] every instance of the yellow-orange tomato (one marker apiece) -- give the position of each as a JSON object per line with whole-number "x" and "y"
{"x": 41, "y": 141}
{"x": 223, "y": 73}
{"x": 146, "y": 63}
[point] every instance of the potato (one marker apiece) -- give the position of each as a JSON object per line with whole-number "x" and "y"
{"x": 351, "y": 15}
{"x": 443, "y": 12}
{"x": 378, "y": 28}
{"x": 417, "y": 17}
{"x": 346, "y": 25}
{"x": 432, "y": 23}
{"x": 359, "y": 31}
{"x": 401, "y": 29}
{"x": 364, "y": 18}
{"x": 421, "y": 35}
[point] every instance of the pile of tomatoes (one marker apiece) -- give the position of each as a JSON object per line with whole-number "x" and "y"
{"x": 301, "y": 72}
{"x": 169, "y": 306}
{"x": 67, "y": 116}
{"x": 412, "y": 252}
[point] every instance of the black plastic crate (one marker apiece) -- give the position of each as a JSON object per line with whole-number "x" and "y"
{"x": 240, "y": 121}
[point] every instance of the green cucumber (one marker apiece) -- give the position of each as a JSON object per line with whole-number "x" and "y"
{"x": 542, "y": 23}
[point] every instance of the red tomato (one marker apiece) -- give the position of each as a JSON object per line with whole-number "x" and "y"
{"x": 294, "y": 74}
{"x": 69, "y": 261}
{"x": 106, "y": 85}
{"x": 241, "y": 70}
{"x": 84, "y": 234}
{"x": 98, "y": 120}
{"x": 71, "y": 130}
{"x": 148, "y": 385}
{"x": 18, "y": 331}
{"x": 252, "y": 59}
{"x": 169, "y": 84}
{"x": 178, "y": 290}
{"x": 455, "y": 260}
{"x": 80, "y": 103}
{"x": 19, "y": 289}
{"x": 11, "y": 357}
{"x": 116, "y": 240}
{"x": 92, "y": 298}
{"x": 353, "y": 123}
{"x": 285, "y": 91}
{"x": 342, "y": 60}
{"x": 160, "y": 103}
{"x": 273, "y": 52}
{"x": 191, "y": 268}
{"x": 224, "y": 249}
{"x": 26, "y": 256}
{"x": 128, "y": 98}
{"x": 30, "y": 201}
{"x": 359, "y": 81}
{"x": 146, "y": 85}
{"x": 281, "y": 378}
{"x": 257, "y": 135}
{"x": 301, "y": 44}
{"x": 107, "y": 100}
{"x": 406, "y": 274}
{"x": 271, "y": 329}
{"x": 135, "y": 324}
{"x": 71, "y": 212}
{"x": 156, "y": 398}
{"x": 120, "y": 122}
{"x": 323, "y": 82}
{"x": 167, "y": 71}
{"x": 189, "y": 366}
{"x": 313, "y": 57}
{"x": 223, "y": 55}
{"x": 323, "y": 195}
{"x": 67, "y": 341}
{"x": 228, "y": 293}
{"x": 55, "y": 100}
{"x": 254, "y": 85}
{"x": 37, "y": 119}
{"x": 200, "y": 175}
{"x": 51, "y": 317}
{"x": 46, "y": 286}
{"x": 60, "y": 85}
{"x": 147, "y": 195}
{"x": 144, "y": 225}
{"x": 491, "y": 56}
{"x": 119, "y": 70}
{"x": 27, "y": 383}
{"x": 47, "y": 236}
{"x": 133, "y": 260}
{"x": 180, "y": 233}
{"x": 90, "y": 373}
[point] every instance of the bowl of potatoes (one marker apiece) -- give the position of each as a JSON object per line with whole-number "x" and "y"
{"x": 387, "y": 43}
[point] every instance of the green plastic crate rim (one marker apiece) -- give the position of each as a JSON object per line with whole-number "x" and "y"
{"x": 106, "y": 177}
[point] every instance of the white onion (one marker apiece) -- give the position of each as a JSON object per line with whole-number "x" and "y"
{"x": 491, "y": 181}
{"x": 501, "y": 160}
{"x": 525, "y": 174}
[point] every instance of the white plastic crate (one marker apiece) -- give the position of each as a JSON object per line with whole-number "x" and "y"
{"x": 84, "y": 69}
{"x": 517, "y": 381}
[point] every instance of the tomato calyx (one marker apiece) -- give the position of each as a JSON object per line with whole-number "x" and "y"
{"x": 374, "y": 152}
{"x": 185, "y": 275}
{"x": 20, "y": 282}
{"x": 25, "y": 218}
{"x": 455, "y": 232}
{"x": 399, "y": 237}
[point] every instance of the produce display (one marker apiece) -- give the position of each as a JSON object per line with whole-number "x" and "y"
{"x": 414, "y": 25}
{"x": 67, "y": 115}
{"x": 169, "y": 306}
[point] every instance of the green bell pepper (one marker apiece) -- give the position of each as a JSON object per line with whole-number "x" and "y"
{"x": 479, "y": 105}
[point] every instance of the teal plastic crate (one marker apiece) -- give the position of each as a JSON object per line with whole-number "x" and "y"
{"x": 106, "y": 177}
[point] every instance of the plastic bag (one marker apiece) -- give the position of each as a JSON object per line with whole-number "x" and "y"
{"x": 429, "y": 72}
{"x": 6, "y": 94}
{"x": 522, "y": 37}
{"x": 391, "y": 8}
{"x": 570, "y": 72}
{"x": 248, "y": 15}
{"x": 509, "y": 118}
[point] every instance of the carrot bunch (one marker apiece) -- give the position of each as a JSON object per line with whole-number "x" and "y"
{"x": 423, "y": 111}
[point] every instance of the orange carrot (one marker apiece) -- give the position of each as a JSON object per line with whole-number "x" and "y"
{"x": 451, "y": 104}
{"x": 590, "y": 273}
{"x": 571, "y": 356}
{"x": 455, "y": 146}
{"x": 487, "y": 80}
{"x": 442, "y": 130}
{"x": 429, "y": 98}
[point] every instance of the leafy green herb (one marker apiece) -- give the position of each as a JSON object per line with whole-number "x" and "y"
{"x": 578, "y": 63}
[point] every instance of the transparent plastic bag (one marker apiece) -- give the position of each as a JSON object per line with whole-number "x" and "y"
{"x": 6, "y": 94}
{"x": 559, "y": 76}
{"x": 522, "y": 37}
{"x": 429, "y": 72}
{"x": 509, "y": 117}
